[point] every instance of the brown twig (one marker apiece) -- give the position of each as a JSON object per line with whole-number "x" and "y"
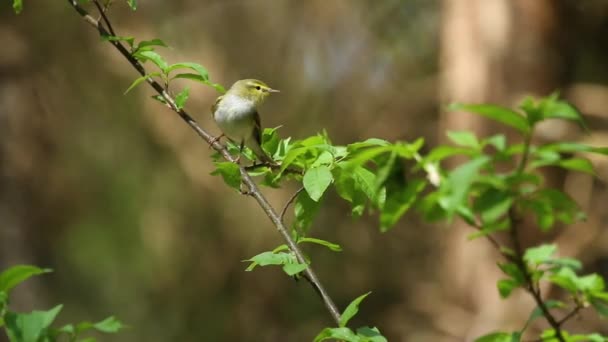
{"x": 571, "y": 314}
{"x": 253, "y": 189}
{"x": 102, "y": 12}
{"x": 293, "y": 197}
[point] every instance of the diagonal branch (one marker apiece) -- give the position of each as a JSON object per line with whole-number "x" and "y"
{"x": 253, "y": 189}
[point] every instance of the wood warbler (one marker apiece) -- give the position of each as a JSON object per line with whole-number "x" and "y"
{"x": 237, "y": 116}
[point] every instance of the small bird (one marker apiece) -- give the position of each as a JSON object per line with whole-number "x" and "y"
{"x": 237, "y": 116}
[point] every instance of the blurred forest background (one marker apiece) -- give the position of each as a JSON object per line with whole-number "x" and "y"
{"x": 113, "y": 192}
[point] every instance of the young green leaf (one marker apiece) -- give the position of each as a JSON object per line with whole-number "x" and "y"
{"x": 141, "y": 79}
{"x": 154, "y": 57}
{"x": 351, "y": 310}
{"x": 566, "y": 279}
{"x": 340, "y": 334}
{"x": 398, "y": 202}
{"x": 129, "y": 40}
{"x": 506, "y": 286}
{"x": 456, "y": 188}
{"x": 293, "y": 269}
{"x": 17, "y": 6}
{"x": 109, "y": 325}
{"x": 132, "y": 4}
{"x": 17, "y": 274}
{"x": 31, "y": 326}
{"x": 538, "y": 255}
{"x": 503, "y": 115}
{"x": 316, "y": 181}
{"x": 463, "y": 138}
{"x": 148, "y": 44}
{"x": 492, "y": 205}
{"x": 199, "y": 69}
{"x": 305, "y": 210}
{"x": 182, "y": 97}
{"x": 230, "y": 172}
{"x": 331, "y": 246}
{"x": 496, "y": 337}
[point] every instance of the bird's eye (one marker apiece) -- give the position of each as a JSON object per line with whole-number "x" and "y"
{"x": 258, "y": 87}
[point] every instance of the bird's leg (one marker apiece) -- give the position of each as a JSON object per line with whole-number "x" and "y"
{"x": 238, "y": 159}
{"x": 216, "y": 139}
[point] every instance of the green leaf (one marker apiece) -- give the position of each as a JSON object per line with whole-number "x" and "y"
{"x": 441, "y": 152}
{"x": 351, "y": 310}
{"x": 577, "y": 164}
{"x": 305, "y": 210}
{"x": 270, "y": 258}
{"x": 128, "y": 40}
{"x": 464, "y": 138}
{"x": 600, "y": 306}
{"x": 570, "y": 147}
{"x": 332, "y": 246}
{"x": 497, "y": 113}
{"x": 566, "y": 279}
{"x": 132, "y": 4}
{"x": 367, "y": 143}
{"x": 456, "y": 188}
{"x": 154, "y": 57}
{"x": 159, "y": 98}
{"x": 350, "y": 190}
{"x": 316, "y": 181}
{"x": 325, "y": 158}
{"x": 498, "y": 141}
{"x": 398, "y": 202}
{"x": 17, "y": 274}
{"x": 506, "y": 286}
{"x": 149, "y": 43}
{"x": 512, "y": 271}
{"x": 141, "y": 79}
{"x": 17, "y": 6}
{"x": 371, "y": 334}
{"x": 495, "y": 337}
{"x": 182, "y": 97}
{"x": 230, "y": 172}
{"x": 341, "y": 334}
{"x": 199, "y": 69}
{"x": 492, "y": 205}
{"x": 553, "y": 108}
{"x": 109, "y": 325}
{"x": 540, "y": 254}
{"x": 29, "y": 327}
{"x": 293, "y": 269}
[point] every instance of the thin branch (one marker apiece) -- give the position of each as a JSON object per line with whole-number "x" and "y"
{"x": 102, "y": 12}
{"x": 254, "y": 191}
{"x": 293, "y": 197}
{"x": 571, "y": 314}
{"x": 531, "y": 286}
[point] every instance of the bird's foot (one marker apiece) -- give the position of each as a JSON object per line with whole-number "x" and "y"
{"x": 216, "y": 139}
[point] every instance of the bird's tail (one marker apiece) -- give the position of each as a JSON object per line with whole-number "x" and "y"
{"x": 254, "y": 145}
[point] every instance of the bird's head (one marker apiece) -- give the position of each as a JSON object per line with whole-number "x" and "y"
{"x": 250, "y": 89}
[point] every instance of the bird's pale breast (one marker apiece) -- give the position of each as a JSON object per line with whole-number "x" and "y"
{"x": 235, "y": 117}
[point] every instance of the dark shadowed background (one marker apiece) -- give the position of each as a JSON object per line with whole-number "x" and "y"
{"x": 113, "y": 192}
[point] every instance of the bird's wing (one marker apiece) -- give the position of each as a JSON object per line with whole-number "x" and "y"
{"x": 257, "y": 129}
{"x": 215, "y": 104}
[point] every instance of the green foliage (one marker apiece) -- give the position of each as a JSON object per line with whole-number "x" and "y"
{"x": 496, "y": 185}
{"x": 18, "y": 6}
{"x": 36, "y": 326}
{"x": 364, "y": 334}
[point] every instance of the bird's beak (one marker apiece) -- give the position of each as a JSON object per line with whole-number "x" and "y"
{"x": 270, "y": 90}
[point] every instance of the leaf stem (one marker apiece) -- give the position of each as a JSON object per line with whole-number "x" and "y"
{"x": 254, "y": 191}
{"x": 291, "y": 199}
